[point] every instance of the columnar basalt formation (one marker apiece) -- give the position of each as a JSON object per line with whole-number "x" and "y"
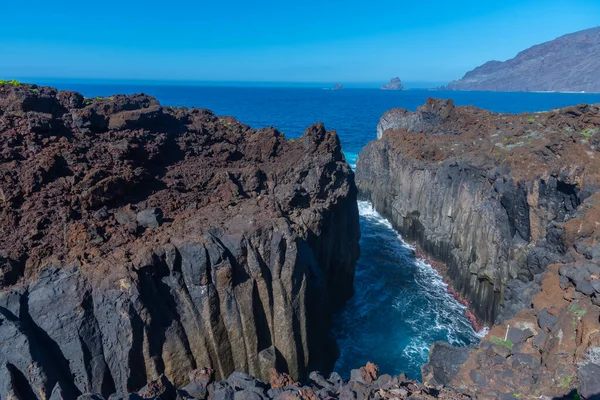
{"x": 511, "y": 204}
{"x": 486, "y": 193}
{"x": 552, "y": 347}
{"x": 139, "y": 240}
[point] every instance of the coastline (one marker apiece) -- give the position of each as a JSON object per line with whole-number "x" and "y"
{"x": 442, "y": 269}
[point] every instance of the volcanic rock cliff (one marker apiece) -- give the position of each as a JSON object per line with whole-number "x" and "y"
{"x": 569, "y": 63}
{"x": 486, "y": 193}
{"x": 138, "y": 240}
{"x": 510, "y": 204}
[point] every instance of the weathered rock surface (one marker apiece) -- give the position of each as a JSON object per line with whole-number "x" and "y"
{"x": 511, "y": 204}
{"x": 394, "y": 84}
{"x": 569, "y": 63}
{"x": 140, "y": 241}
{"x": 241, "y": 386}
{"x": 444, "y": 363}
{"x": 486, "y": 193}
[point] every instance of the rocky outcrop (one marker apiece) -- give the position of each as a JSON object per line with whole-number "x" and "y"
{"x": 570, "y": 63}
{"x": 364, "y": 384}
{"x": 551, "y": 347}
{"x": 395, "y": 84}
{"x": 486, "y": 193}
{"x": 139, "y": 240}
{"x": 444, "y": 364}
{"x": 511, "y": 204}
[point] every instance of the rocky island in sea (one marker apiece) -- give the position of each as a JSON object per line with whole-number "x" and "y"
{"x": 570, "y": 63}
{"x": 394, "y": 84}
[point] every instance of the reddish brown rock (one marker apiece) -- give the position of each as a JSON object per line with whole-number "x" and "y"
{"x": 369, "y": 372}
{"x": 485, "y": 193}
{"x": 510, "y": 204}
{"x": 281, "y": 379}
{"x": 139, "y": 240}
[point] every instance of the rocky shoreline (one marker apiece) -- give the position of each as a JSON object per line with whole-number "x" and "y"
{"x": 365, "y": 383}
{"x": 500, "y": 200}
{"x": 442, "y": 269}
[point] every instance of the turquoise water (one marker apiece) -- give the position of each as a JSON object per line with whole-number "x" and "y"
{"x": 401, "y": 306}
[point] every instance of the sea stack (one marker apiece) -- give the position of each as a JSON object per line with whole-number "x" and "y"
{"x": 142, "y": 242}
{"x": 395, "y": 84}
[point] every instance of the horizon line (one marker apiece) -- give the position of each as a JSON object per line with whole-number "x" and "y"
{"x": 316, "y": 83}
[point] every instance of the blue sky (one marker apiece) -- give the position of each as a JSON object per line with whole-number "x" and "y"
{"x": 288, "y": 41}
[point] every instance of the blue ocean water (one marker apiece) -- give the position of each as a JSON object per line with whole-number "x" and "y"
{"x": 401, "y": 306}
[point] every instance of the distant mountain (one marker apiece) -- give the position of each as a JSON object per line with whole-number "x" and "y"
{"x": 395, "y": 84}
{"x": 570, "y": 63}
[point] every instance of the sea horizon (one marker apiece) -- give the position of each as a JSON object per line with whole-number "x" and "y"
{"x": 45, "y": 81}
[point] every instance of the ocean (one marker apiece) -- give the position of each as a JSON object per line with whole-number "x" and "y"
{"x": 401, "y": 305}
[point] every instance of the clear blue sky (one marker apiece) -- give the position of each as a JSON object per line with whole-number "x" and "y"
{"x": 290, "y": 41}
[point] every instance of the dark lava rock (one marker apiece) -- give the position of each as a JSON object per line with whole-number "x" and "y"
{"x": 199, "y": 381}
{"x": 247, "y": 395}
{"x": 90, "y": 396}
{"x": 159, "y": 389}
{"x": 150, "y": 218}
{"x": 540, "y": 339}
{"x": 316, "y": 379}
{"x": 524, "y": 360}
{"x": 249, "y": 236}
{"x": 468, "y": 187}
{"x": 516, "y": 335}
{"x": 241, "y": 380}
{"x": 477, "y": 377}
{"x": 221, "y": 391}
{"x": 546, "y": 320}
{"x": 589, "y": 381}
{"x": 336, "y": 380}
{"x": 445, "y": 361}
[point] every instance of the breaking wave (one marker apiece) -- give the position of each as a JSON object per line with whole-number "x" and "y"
{"x": 400, "y": 308}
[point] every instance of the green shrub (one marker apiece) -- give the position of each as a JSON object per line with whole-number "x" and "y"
{"x": 579, "y": 312}
{"x": 588, "y": 133}
{"x": 565, "y": 381}
{"x": 11, "y": 82}
{"x": 501, "y": 342}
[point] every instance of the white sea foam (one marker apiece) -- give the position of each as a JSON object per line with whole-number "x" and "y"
{"x": 483, "y": 332}
{"x": 351, "y": 158}
{"x": 422, "y": 309}
{"x": 446, "y": 313}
